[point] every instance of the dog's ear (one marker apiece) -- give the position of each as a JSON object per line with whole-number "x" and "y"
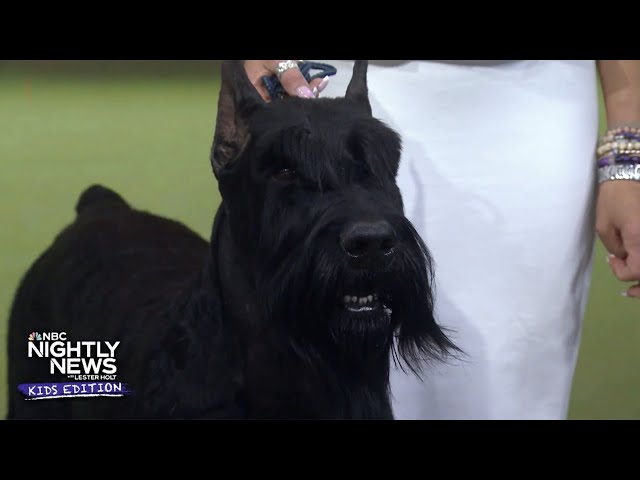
{"x": 357, "y": 90}
{"x": 238, "y": 98}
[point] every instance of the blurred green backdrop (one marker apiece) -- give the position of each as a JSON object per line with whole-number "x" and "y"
{"x": 144, "y": 128}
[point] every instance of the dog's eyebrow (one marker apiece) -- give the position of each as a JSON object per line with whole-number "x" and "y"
{"x": 313, "y": 156}
{"x": 284, "y": 145}
{"x": 377, "y": 147}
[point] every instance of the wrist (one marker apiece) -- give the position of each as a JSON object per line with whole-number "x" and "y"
{"x": 623, "y": 111}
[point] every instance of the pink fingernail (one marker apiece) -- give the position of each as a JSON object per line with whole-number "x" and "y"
{"x": 304, "y": 92}
{"x": 610, "y": 256}
{"x": 315, "y": 92}
{"x": 323, "y": 84}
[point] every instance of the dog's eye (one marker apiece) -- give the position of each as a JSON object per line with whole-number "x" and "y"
{"x": 285, "y": 175}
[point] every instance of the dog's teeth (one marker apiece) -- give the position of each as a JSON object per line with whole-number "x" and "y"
{"x": 360, "y": 301}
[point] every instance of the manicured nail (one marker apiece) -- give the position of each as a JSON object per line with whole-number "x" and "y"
{"x": 315, "y": 92}
{"x": 304, "y": 92}
{"x": 610, "y": 256}
{"x": 626, "y": 294}
{"x": 323, "y": 84}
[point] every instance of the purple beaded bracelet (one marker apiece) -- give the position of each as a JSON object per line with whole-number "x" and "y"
{"x": 619, "y": 156}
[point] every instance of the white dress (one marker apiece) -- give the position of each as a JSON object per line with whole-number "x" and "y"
{"x": 498, "y": 176}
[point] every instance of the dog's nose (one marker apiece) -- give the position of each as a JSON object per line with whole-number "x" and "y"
{"x": 368, "y": 240}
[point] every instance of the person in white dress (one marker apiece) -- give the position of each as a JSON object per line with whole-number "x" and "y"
{"x": 502, "y": 177}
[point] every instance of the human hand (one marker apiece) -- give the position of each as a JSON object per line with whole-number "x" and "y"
{"x": 292, "y": 80}
{"x": 618, "y": 226}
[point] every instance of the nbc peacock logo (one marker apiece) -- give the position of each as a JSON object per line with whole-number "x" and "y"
{"x": 35, "y": 336}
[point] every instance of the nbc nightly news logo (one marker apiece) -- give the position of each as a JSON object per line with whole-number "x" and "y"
{"x": 90, "y": 366}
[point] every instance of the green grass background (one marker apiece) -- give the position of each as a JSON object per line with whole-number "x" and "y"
{"x": 144, "y": 129}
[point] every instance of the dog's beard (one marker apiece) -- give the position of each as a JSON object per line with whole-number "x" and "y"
{"x": 312, "y": 291}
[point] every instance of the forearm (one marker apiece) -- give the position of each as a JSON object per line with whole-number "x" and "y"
{"x": 620, "y": 81}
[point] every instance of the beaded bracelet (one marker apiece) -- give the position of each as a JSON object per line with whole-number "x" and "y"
{"x": 619, "y": 154}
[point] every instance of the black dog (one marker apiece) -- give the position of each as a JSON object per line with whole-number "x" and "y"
{"x": 313, "y": 282}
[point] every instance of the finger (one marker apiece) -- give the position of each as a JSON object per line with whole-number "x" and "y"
{"x": 633, "y": 263}
{"x": 631, "y": 239}
{"x": 612, "y": 240}
{"x": 318, "y": 85}
{"x": 633, "y": 292}
{"x": 621, "y": 269}
{"x": 313, "y": 85}
{"x": 295, "y": 84}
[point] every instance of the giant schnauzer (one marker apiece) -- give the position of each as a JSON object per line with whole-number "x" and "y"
{"x": 313, "y": 282}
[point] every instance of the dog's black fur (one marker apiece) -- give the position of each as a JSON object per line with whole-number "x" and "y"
{"x": 254, "y": 324}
